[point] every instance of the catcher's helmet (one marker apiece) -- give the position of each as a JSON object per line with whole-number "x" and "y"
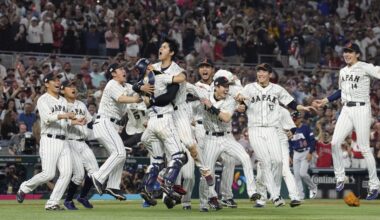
{"x": 141, "y": 65}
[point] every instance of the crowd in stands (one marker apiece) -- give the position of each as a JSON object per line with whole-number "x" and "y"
{"x": 309, "y": 34}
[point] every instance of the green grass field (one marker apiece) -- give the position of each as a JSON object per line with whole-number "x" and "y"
{"x": 311, "y": 209}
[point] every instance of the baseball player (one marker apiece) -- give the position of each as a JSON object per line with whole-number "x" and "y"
{"x": 54, "y": 150}
{"x": 161, "y": 127}
{"x": 262, "y": 99}
{"x": 285, "y": 130}
{"x": 302, "y": 145}
{"x": 354, "y": 85}
{"x": 106, "y": 126}
{"x": 81, "y": 155}
{"x": 167, "y": 52}
{"x": 219, "y": 107}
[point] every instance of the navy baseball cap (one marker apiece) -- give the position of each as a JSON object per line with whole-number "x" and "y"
{"x": 206, "y": 62}
{"x": 265, "y": 67}
{"x": 67, "y": 83}
{"x": 221, "y": 81}
{"x": 141, "y": 65}
{"x": 51, "y": 76}
{"x": 112, "y": 68}
{"x": 351, "y": 47}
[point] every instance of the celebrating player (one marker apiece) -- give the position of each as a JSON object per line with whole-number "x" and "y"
{"x": 54, "y": 150}
{"x": 354, "y": 85}
{"x": 81, "y": 154}
{"x": 106, "y": 126}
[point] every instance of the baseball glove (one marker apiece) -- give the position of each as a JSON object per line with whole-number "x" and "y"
{"x": 351, "y": 200}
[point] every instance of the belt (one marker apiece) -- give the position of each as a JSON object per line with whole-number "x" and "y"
{"x": 352, "y": 104}
{"x": 80, "y": 140}
{"x": 300, "y": 150}
{"x": 217, "y": 134}
{"x": 57, "y": 136}
{"x": 114, "y": 120}
{"x": 160, "y": 116}
{"x": 199, "y": 122}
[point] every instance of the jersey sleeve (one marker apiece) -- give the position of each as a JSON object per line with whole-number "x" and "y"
{"x": 115, "y": 91}
{"x": 284, "y": 97}
{"x": 46, "y": 115}
{"x": 196, "y": 91}
{"x": 309, "y": 135}
{"x": 287, "y": 122}
{"x": 372, "y": 70}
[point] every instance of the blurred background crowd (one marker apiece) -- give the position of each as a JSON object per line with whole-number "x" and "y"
{"x": 78, "y": 39}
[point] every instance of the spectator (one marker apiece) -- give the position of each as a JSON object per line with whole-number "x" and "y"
{"x": 47, "y": 29}
{"x": 96, "y": 76}
{"x": 28, "y": 117}
{"x": 9, "y": 106}
{"x": 346, "y": 154}
{"x": 13, "y": 179}
{"x": 9, "y": 126}
{"x": 58, "y": 35}
{"x": 34, "y": 36}
{"x": 112, "y": 37}
{"x": 132, "y": 43}
{"x": 92, "y": 39}
{"x": 323, "y": 151}
{"x": 67, "y": 74}
{"x": 357, "y": 160}
{"x": 22, "y": 143}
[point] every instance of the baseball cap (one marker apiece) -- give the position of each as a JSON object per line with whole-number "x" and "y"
{"x": 221, "y": 81}
{"x": 112, "y": 68}
{"x": 265, "y": 67}
{"x": 296, "y": 115}
{"x": 141, "y": 65}
{"x": 34, "y": 18}
{"x": 67, "y": 83}
{"x": 51, "y": 76}
{"x": 206, "y": 62}
{"x": 351, "y": 47}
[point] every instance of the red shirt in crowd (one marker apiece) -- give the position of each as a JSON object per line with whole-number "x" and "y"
{"x": 324, "y": 154}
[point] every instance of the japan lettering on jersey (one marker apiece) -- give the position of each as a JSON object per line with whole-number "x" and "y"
{"x": 211, "y": 122}
{"x": 79, "y": 131}
{"x": 263, "y": 103}
{"x": 49, "y": 108}
{"x": 354, "y": 81}
{"x": 109, "y": 106}
{"x": 173, "y": 70}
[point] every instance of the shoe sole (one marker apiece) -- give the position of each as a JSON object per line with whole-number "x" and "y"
{"x": 228, "y": 205}
{"x": 295, "y": 205}
{"x": 117, "y": 196}
{"x": 373, "y": 197}
{"x": 148, "y": 199}
{"x": 98, "y": 189}
{"x": 19, "y": 197}
{"x": 86, "y": 206}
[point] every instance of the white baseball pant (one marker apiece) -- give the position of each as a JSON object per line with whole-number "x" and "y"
{"x": 83, "y": 159}
{"x": 358, "y": 163}
{"x": 215, "y": 146}
{"x": 300, "y": 168}
{"x": 107, "y": 134}
{"x": 266, "y": 145}
{"x": 358, "y": 118}
{"x": 54, "y": 153}
{"x": 227, "y": 176}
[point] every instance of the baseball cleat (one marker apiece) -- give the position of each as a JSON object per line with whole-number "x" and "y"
{"x": 168, "y": 202}
{"x": 258, "y": 205}
{"x": 117, "y": 193}
{"x": 148, "y": 198}
{"x": 54, "y": 208}
{"x": 171, "y": 193}
{"x": 85, "y": 202}
{"x": 70, "y": 205}
{"x": 214, "y": 204}
{"x": 230, "y": 203}
{"x": 203, "y": 209}
{"x": 373, "y": 194}
{"x": 339, "y": 186}
{"x": 98, "y": 185}
{"x": 295, "y": 203}
{"x": 313, "y": 193}
{"x": 20, "y": 196}
{"x": 187, "y": 207}
{"x": 279, "y": 202}
{"x": 255, "y": 196}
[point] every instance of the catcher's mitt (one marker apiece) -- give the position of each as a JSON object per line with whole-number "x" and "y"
{"x": 351, "y": 200}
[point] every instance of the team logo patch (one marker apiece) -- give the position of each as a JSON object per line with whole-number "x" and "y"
{"x": 239, "y": 183}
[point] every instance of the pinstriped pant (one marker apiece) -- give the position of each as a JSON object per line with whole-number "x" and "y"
{"x": 266, "y": 145}
{"x": 107, "y": 134}
{"x": 358, "y": 118}
{"x": 82, "y": 157}
{"x": 54, "y": 154}
{"x": 215, "y": 146}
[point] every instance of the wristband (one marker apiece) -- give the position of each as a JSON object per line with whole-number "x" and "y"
{"x": 214, "y": 110}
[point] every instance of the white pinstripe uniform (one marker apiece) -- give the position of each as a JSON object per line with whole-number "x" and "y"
{"x": 354, "y": 82}
{"x": 263, "y": 117}
{"x": 82, "y": 155}
{"x": 54, "y": 152}
{"x": 106, "y": 130}
{"x": 219, "y": 139}
{"x": 137, "y": 116}
{"x": 285, "y": 124}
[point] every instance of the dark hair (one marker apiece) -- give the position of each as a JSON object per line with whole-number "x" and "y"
{"x": 7, "y": 104}
{"x": 173, "y": 45}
